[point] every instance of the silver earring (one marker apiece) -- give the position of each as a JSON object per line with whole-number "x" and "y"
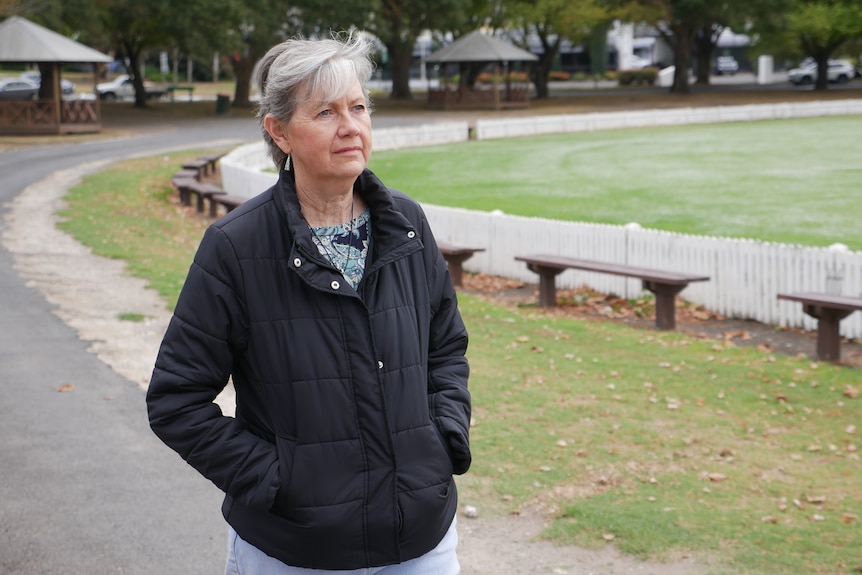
{"x": 287, "y": 163}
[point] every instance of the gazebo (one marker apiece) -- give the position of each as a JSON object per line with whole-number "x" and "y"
{"x": 480, "y": 48}
{"x": 22, "y": 41}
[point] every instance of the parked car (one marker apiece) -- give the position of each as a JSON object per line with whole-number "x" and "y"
{"x": 18, "y": 89}
{"x": 726, "y": 65}
{"x": 839, "y": 72}
{"x": 121, "y": 88}
{"x": 66, "y": 86}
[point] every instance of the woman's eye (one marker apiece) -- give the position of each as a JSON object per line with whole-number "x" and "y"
{"x": 325, "y": 112}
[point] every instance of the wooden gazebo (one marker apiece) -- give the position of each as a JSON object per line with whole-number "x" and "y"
{"x": 22, "y": 41}
{"x": 480, "y": 48}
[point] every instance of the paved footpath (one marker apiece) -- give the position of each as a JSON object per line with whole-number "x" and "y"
{"x": 85, "y": 487}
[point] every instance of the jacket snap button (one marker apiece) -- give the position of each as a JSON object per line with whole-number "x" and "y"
{"x": 335, "y": 284}
{"x": 379, "y": 365}
{"x": 411, "y": 234}
{"x": 297, "y": 262}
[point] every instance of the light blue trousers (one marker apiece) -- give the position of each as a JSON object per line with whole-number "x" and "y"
{"x": 246, "y": 559}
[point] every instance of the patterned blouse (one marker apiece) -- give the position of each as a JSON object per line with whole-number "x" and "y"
{"x": 345, "y": 246}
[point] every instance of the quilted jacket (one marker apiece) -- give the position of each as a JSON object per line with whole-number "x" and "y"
{"x": 352, "y": 405}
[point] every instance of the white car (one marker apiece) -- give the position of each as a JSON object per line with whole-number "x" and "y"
{"x": 121, "y": 88}
{"x": 839, "y": 72}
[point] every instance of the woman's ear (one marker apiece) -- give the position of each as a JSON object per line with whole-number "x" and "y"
{"x": 276, "y": 130}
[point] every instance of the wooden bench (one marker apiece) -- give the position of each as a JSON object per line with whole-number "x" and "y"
{"x": 665, "y": 285}
{"x": 182, "y": 183}
{"x": 186, "y": 173}
{"x": 203, "y": 192}
{"x": 229, "y": 202}
{"x": 212, "y": 162}
{"x": 455, "y": 257}
{"x": 829, "y": 310}
{"x": 199, "y": 165}
{"x": 172, "y": 89}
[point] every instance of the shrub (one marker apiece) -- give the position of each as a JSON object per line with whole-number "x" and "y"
{"x": 645, "y": 76}
{"x": 558, "y": 76}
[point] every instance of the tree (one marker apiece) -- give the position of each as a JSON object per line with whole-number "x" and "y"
{"x": 398, "y": 23}
{"x": 821, "y": 28}
{"x": 551, "y": 22}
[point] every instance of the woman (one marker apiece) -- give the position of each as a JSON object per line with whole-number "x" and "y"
{"x": 327, "y": 302}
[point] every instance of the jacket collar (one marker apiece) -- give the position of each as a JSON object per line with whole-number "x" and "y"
{"x": 390, "y": 229}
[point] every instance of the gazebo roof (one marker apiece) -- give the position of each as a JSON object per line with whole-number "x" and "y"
{"x": 24, "y": 41}
{"x": 478, "y": 47}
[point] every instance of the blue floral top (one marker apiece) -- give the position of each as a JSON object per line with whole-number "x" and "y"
{"x": 346, "y": 246}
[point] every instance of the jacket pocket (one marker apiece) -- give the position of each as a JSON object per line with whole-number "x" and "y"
{"x": 286, "y": 449}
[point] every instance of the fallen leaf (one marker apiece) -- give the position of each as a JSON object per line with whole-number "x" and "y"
{"x": 817, "y": 517}
{"x": 716, "y": 477}
{"x": 851, "y": 392}
{"x": 848, "y": 518}
{"x": 817, "y": 499}
{"x": 609, "y": 536}
{"x": 768, "y": 519}
{"x": 66, "y": 388}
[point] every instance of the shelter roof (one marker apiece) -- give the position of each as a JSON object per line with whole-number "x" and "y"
{"x": 478, "y": 47}
{"x": 24, "y": 41}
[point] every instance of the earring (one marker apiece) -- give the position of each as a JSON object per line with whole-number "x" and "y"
{"x": 287, "y": 163}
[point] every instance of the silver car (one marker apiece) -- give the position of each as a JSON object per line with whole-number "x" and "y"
{"x": 18, "y": 89}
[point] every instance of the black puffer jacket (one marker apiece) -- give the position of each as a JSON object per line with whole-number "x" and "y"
{"x": 352, "y": 406}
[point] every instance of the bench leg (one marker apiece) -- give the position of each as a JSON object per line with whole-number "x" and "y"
{"x": 200, "y": 204}
{"x": 456, "y": 267}
{"x": 665, "y": 303}
{"x": 828, "y": 336}
{"x": 547, "y": 284}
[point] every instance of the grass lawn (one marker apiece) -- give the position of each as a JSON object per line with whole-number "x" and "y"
{"x": 652, "y": 440}
{"x": 793, "y": 181}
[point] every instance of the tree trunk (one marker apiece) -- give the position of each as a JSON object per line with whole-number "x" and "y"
{"x": 542, "y": 69}
{"x": 243, "y": 67}
{"x": 704, "y": 45}
{"x": 400, "y": 53}
{"x": 134, "y": 55}
{"x": 822, "y": 82}
{"x": 683, "y": 37}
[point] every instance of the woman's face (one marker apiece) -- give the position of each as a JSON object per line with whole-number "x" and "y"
{"x": 330, "y": 143}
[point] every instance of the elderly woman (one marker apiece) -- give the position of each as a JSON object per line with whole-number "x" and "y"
{"x": 327, "y": 302}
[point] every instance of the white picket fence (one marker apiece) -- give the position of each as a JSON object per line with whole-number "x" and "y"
{"x": 565, "y": 123}
{"x": 745, "y": 275}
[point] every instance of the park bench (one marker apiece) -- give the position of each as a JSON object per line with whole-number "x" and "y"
{"x": 829, "y": 310}
{"x": 203, "y": 191}
{"x": 172, "y": 89}
{"x": 199, "y": 165}
{"x": 455, "y": 257}
{"x": 182, "y": 181}
{"x": 665, "y": 285}
{"x": 227, "y": 200}
{"x": 212, "y": 162}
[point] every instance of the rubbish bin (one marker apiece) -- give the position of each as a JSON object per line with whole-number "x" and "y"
{"x": 222, "y": 104}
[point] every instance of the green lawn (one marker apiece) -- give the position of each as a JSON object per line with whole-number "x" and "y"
{"x": 794, "y": 181}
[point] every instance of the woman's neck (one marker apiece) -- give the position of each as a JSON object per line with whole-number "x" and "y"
{"x": 325, "y": 207}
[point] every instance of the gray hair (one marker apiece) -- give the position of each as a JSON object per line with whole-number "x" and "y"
{"x": 299, "y": 70}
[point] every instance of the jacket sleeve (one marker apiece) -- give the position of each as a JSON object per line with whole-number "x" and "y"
{"x": 192, "y": 368}
{"x": 448, "y": 370}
